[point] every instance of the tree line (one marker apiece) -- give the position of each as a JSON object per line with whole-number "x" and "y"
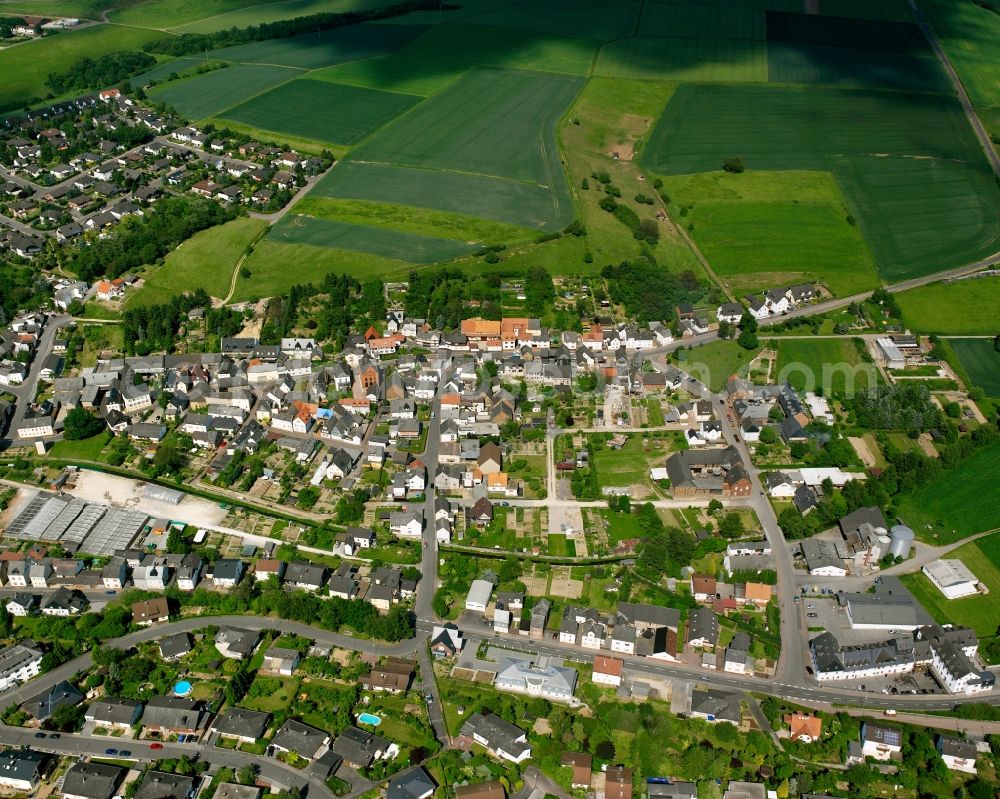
{"x": 98, "y": 73}
{"x": 139, "y": 240}
{"x": 151, "y": 328}
{"x": 283, "y": 29}
{"x": 648, "y": 291}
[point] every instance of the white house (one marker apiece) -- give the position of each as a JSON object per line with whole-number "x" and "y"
{"x": 880, "y": 743}
{"x": 608, "y": 671}
{"x": 957, "y": 753}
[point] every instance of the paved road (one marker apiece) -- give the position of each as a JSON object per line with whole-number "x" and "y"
{"x": 20, "y": 227}
{"x": 273, "y": 771}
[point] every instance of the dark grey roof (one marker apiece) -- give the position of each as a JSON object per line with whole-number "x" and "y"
{"x": 638, "y": 613}
{"x": 92, "y": 780}
{"x": 294, "y": 736}
{"x": 703, "y": 623}
{"x": 160, "y": 785}
{"x": 870, "y": 515}
{"x": 43, "y": 705}
{"x": 242, "y": 722}
{"x": 173, "y": 713}
{"x": 21, "y": 764}
{"x": 956, "y": 747}
{"x": 412, "y": 784}
{"x": 722, "y": 705}
{"x": 175, "y": 646}
{"x": 497, "y": 732}
{"x": 358, "y": 746}
{"x": 113, "y": 710}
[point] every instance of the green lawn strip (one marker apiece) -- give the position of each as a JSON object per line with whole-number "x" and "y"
{"x": 713, "y": 363}
{"x": 323, "y": 111}
{"x": 205, "y": 261}
{"x": 943, "y": 308}
{"x": 835, "y": 365}
{"x": 88, "y": 449}
{"x": 25, "y": 67}
{"x": 684, "y": 60}
{"x": 283, "y": 140}
{"x": 382, "y": 242}
{"x": 203, "y": 96}
{"x": 981, "y": 362}
{"x": 959, "y": 502}
{"x": 920, "y": 161}
{"x": 94, "y": 311}
{"x": 412, "y": 219}
{"x": 560, "y": 546}
{"x": 270, "y": 275}
{"x": 165, "y": 68}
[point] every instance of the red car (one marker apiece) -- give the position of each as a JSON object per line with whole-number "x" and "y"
{"x": 156, "y": 746}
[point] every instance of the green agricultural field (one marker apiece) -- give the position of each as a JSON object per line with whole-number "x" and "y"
{"x": 898, "y": 10}
{"x": 804, "y": 48}
{"x": 685, "y": 60}
{"x": 204, "y": 96}
{"x": 270, "y": 275}
{"x": 754, "y": 228}
{"x": 973, "y": 611}
{"x": 382, "y": 242}
{"x": 900, "y": 160}
{"x": 508, "y": 201}
{"x": 411, "y": 219}
{"x": 958, "y": 503}
{"x": 257, "y": 12}
{"x": 981, "y": 362}
{"x": 943, "y": 308}
{"x": 171, "y": 13}
{"x": 25, "y": 67}
{"x": 165, "y": 68}
{"x": 206, "y": 260}
{"x": 714, "y": 362}
{"x": 484, "y": 147}
{"x": 591, "y": 18}
{"x": 323, "y": 49}
{"x": 969, "y": 34}
{"x": 701, "y": 22}
{"x": 833, "y": 364}
{"x": 447, "y": 51}
{"x": 320, "y": 110}
{"x": 82, "y": 9}
{"x": 496, "y": 123}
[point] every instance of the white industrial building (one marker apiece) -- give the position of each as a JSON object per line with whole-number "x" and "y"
{"x": 952, "y": 578}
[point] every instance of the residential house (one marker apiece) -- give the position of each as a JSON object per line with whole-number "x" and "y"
{"x": 498, "y": 736}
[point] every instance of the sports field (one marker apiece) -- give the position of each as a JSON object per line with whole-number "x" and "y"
{"x": 687, "y": 60}
{"x": 411, "y": 219}
{"x": 445, "y": 52}
{"x": 320, "y": 110}
{"x": 25, "y": 67}
{"x": 382, "y": 242}
{"x": 976, "y": 611}
{"x": 943, "y": 308}
{"x": 981, "y": 362}
{"x": 959, "y": 502}
{"x": 206, "y": 260}
{"x": 835, "y": 365}
{"x": 203, "y": 96}
{"x": 908, "y": 164}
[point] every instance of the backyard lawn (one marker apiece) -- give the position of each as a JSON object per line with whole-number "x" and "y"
{"x": 560, "y": 546}
{"x": 86, "y": 449}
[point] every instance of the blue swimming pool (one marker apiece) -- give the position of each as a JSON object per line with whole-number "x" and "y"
{"x": 183, "y": 688}
{"x": 368, "y": 718}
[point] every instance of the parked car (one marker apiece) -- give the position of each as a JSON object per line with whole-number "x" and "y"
{"x": 110, "y": 751}
{"x": 156, "y": 746}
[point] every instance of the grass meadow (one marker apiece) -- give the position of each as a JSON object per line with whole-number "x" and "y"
{"x": 960, "y": 502}
{"x": 322, "y": 111}
{"x": 811, "y": 363}
{"x": 714, "y": 362}
{"x": 684, "y": 60}
{"x": 969, "y": 35}
{"x": 206, "y": 260}
{"x": 25, "y": 67}
{"x": 900, "y": 160}
{"x": 943, "y": 308}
